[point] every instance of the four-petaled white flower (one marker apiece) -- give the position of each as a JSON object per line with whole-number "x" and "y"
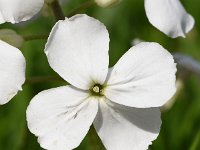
{"x": 169, "y": 16}
{"x": 12, "y": 71}
{"x": 15, "y": 11}
{"x": 121, "y": 102}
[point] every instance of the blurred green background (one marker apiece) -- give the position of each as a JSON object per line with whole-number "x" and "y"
{"x": 125, "y": 22}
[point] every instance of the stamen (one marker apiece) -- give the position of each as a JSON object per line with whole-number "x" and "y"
{"x": 97, "y": 90}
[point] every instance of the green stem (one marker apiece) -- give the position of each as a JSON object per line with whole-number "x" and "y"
{"x": 34, "y": 80}
{"x": 24, "y": 139}
{"x": 83, "y": 6}
{"x": 57, "y": 10}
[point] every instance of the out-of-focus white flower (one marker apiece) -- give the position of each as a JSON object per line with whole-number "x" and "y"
{"x": 106, "y": 3}
{"x": 136, "y": 41}
{"x": 170, "y": 103}
{"x": 169, "y": 16}
{"x": 12, "y": 72}
{"x": 11, "y": 37}
{"x": 15, "y": 11}
{"x": 121, "y": 102}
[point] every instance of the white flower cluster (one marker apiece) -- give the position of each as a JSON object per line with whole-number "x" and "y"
{"x": 121, "y": 102}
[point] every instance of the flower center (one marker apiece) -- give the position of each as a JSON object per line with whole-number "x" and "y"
{"x": 97, "y": 90}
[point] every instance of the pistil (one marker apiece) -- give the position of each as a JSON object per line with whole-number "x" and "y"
{"x": 97, "y": 90}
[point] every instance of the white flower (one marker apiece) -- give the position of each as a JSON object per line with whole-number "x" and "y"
{"x": 12, "y": 71}
{"x": 121, "y": 102}
{"x": 15, "y": 11}
{"x": 169, "y": 16}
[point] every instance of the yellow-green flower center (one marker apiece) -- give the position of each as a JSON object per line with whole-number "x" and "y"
{"x": 97, "y": 90}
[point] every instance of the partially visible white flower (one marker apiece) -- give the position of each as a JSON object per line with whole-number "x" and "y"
{"x": 170, "y": 103}
{"x": 11, "y": 37}
{"x": 121, "y": 102}
{"x": 106, "y": 3}
{"x": 12, "y": 72}
{"x": 15, "y": 11}
{"x": 169, "y": 16}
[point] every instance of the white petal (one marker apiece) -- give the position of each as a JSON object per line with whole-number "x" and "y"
{"x": 143, "y": 77}
{"x": 77, "y": 50}
{"x": 169, "y": 16}
{"x": 12, "y": 71}
{"x": 15, "y": 11}
{"x": 61, "y": 117}
{"x": 126, "y": 128}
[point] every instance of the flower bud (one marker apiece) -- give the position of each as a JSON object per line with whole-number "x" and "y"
{"x": 170, "y": 103}
{"x": 11, "y": 37}
{"x": 106, "y": 3}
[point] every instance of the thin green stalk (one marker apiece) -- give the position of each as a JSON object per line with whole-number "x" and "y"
{"x": 57, "y": 10}
{"x": 34, "y": 80}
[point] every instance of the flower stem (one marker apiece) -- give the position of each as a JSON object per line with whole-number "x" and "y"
{"x": 24, "y": 139}
{"x": 34, "y": 80}
{"x": 57, "y": 10}
{"x": 83, "y": 6}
